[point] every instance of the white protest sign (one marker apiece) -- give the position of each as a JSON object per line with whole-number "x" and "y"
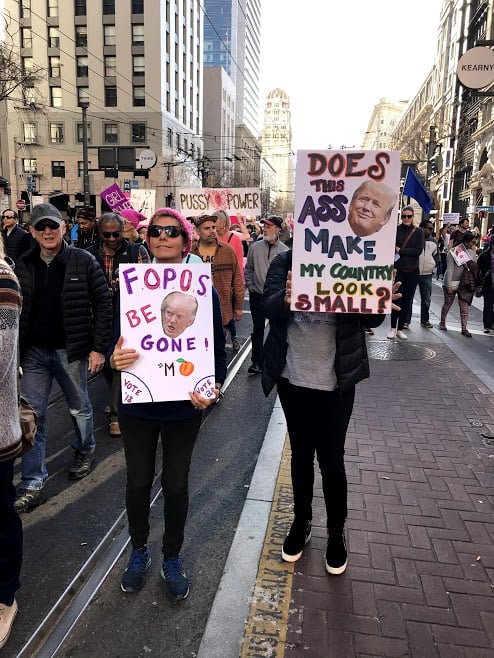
{"x": 206, "y": 200}
{"x": 460, "y": 254}
{"x": 166, "y": 314}
{"x": 344, "y": 233}
{"x": 143, "y": 201}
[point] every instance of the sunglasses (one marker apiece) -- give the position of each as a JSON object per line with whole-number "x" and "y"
{"x": 8, "y": 216}
{"x": 111, "y": 234}
{"x": 49, "y": 224}
{"x": 407, "y": 216}
{"x": 154, "y": 231}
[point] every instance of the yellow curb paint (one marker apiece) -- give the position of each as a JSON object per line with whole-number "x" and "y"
{"x": 265, "y": 632}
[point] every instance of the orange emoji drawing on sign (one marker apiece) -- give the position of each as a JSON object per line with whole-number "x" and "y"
{"x": 186, "y": 367}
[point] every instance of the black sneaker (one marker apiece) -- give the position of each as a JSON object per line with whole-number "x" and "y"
{"x": 28, "y": 499}
{"x": 236, "y": 344}
{"x": 336, "y": 553}
{"x": 81, "y": 464}
{"x": 172, "y": 572}
{"x": 133, "y": 576}
{"x": 297, "y": 538}
{"x": 254, "y": 369}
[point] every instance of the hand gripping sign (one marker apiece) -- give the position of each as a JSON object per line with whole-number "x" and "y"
{"x": 166, "y": 314}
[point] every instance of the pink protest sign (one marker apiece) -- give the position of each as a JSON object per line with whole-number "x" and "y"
{"x": 115, "y": 198}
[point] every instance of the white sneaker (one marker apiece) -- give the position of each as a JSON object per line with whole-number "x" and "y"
{"x": 401, "y": 334}
{"x": 391, "y": 333}
{"x": 7, "y": 616}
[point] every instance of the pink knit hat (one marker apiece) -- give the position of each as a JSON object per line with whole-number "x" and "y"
{"x": 184, "y": 223}
{"x": 133, "y": 216}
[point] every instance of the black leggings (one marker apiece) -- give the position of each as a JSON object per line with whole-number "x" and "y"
{"x": 317, "y": 424}
{"x": 140, "y": 439}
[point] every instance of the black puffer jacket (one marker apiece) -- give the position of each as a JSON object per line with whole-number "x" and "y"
{"x": 86, "y": 303}
{"x": 351, "y": 362}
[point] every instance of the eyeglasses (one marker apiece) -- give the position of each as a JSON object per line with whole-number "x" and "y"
{"x": 111, "y": 234}
{"x": 154, "y": 231}
{"x": 407, "y": 216}
{"x": 8, "y": 216}
{"x": 40, "y": 226}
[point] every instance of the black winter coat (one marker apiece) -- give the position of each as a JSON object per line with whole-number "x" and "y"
{"x": 351, "y": 362}
{"x": 86, "y": 302}
{"x": 16, "y": 243}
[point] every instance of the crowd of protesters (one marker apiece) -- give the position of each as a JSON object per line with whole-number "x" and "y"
{"x": 60, "y": 305}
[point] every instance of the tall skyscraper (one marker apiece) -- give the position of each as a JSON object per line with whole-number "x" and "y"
{"x": 276, "y": 140}
{"x": 232, "y": 40}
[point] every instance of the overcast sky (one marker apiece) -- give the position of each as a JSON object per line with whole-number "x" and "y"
{"x": 338, "y": 58}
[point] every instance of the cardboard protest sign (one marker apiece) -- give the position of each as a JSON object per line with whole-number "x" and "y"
{"x": 206, "y": 200}
{"x": 144, "y": 201}
{"x": 344, "y": 232}
{"x": 460, "y": 254}
{"x": 115, "y": 198}
{"x": 166, "y": 314}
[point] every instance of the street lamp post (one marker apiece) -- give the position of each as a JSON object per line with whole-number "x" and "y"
{"x": 85, "y": 160}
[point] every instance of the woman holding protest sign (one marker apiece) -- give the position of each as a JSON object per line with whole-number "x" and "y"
{"x": 315, "y": 360}
{"x": 461, "y": 280}
{"x": 169, "y": 238}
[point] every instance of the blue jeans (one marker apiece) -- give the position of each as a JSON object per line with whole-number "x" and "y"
{"x": 425, "y": 287}
{"x": 40, "y": 367}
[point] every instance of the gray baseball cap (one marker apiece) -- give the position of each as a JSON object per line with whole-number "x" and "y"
{"x": 45, "y": 211}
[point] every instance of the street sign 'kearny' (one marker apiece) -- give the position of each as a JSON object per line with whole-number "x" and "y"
{"x": 476, "y": 68}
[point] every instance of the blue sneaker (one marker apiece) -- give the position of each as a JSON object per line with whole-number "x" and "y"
{"x": 133, "y": 576}
{"x": 175, "y": 579}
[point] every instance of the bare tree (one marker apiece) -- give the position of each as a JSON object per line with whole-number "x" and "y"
{"x": 14, "y": 78}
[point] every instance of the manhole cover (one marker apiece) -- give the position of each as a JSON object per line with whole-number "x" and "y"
{"x": 394, "y": 350}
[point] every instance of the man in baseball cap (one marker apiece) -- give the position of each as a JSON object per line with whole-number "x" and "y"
{"x": 45, "y": 211}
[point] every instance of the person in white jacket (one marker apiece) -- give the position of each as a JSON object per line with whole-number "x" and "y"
{"x": 427, "y": 264}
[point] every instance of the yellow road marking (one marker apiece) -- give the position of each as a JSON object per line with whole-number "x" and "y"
{"x": 265, "y": 632}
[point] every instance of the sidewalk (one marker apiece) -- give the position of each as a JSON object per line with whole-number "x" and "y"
{"x": 420, "y": 465}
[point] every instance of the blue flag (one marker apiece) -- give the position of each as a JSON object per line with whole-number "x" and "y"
{"x": 414, "y": 188}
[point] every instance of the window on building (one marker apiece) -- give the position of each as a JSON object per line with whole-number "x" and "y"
{"x": 56, "y": 96}
{"x": 110, "y": 96}
{"x": 138, "y": 133}
{"x": 81, "y": 36}
{"x": 53, "y": 37}
{"x": 56, "y": 133}
{"x": 29, "y": 96}
{"x": 169, "y": 137}
{"x": 138, "y": 65}
{"x": 27, "y": 64}
{"x": 138, "y": 96}
{"x": 108, "y": 7}
{"x": 109, "y": 35}
{"x": 26, "y": 38}
{"x": 137, "y": 6}
{"x": 137, "y": 35}
{"x": 82, "y": 95}
{"x": 110, "y": 65}
{"x": 29, "y": 165}
{"x": 111, "y": 133}
{"x": 54, "y": 67}
{"x": 80, "y": 133}
{"x": 25, "y": 8}
{"x": 29, "y": 132}
{"x": 80, "y": 7}
{"x": 82, "y": 67}
{"x": 58, "y": 169}
{"x": 177, "y": 141}
{"x": 52, "y": 8}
